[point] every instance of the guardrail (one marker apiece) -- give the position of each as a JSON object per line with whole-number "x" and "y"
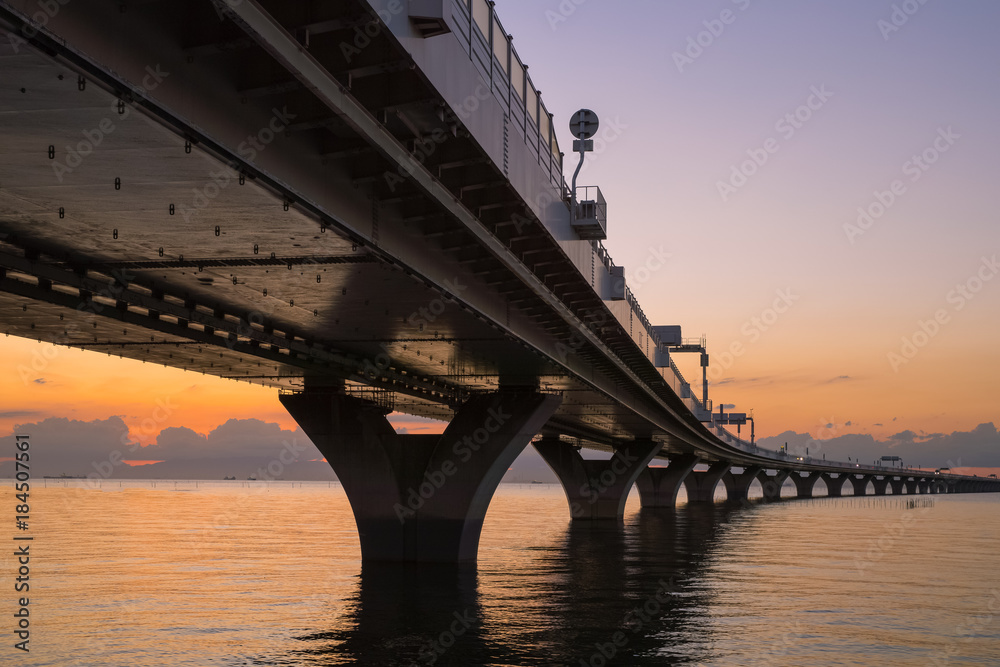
{"x": 491, "y": 50}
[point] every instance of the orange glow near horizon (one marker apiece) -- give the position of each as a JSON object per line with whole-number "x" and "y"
{"x": 49, "y": 381}
{"x": 44, "y": 380}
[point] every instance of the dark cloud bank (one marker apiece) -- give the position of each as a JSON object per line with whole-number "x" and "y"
{"x": 251, "y": 447}
{"x": 979, "y": 447}
{"x": 240, "y": 448}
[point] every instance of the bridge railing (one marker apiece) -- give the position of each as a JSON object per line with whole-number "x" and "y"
{"x": 491, "y": 50}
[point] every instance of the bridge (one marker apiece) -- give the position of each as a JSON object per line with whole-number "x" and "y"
{"x": 361, "y": 204}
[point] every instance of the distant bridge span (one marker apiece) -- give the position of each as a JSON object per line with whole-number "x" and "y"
{"x": 362, "y": 204}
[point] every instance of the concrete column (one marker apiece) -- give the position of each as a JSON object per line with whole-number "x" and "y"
{"x": 924, "y": 486}
{"x": 420, "y": 498}
{"x": 834, "y": 485}
{"x": 880, "y": 485}
{"x": 897, "y": 484}
{"x": 911, "y": 486}
{"x": 658, "y": 487}
{"x": 597, "y": 489}
{"x": 701, "y": 485}
{"x": 737, "y": 486}
{"x": 771, "y": 484}
{"x": 860, "y": 485}
{"x": 804, "y": 484}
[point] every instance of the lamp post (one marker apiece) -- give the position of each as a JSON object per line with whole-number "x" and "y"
{"x": 583, "y": 125}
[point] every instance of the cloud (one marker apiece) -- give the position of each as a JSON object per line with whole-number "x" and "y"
{"x": 239, "y": 446}
{"x": 16, "y": 414}
{"x": 847, "y": 423}
{"x": 40, "y": 381}
{"x": 754, "y": 380}
{"x": 979, "y": 447}
{"x": 840, "y": 378}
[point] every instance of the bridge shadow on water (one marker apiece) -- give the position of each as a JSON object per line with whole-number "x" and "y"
{"x": 605, "y": 594}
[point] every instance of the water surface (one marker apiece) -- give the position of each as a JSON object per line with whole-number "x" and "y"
{"x": 244, "y": 573}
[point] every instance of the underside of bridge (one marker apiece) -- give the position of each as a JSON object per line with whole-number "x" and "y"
{"x": 275, "y": 192}
{"x": 173, "y": 191}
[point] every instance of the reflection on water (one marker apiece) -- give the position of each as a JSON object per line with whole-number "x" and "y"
{"x": 595, "y": 580}
{"x": 271, "y": 575}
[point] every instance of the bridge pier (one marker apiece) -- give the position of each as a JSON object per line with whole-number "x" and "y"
{"x": 923, "y": 486}
{"x": 700, "y": 485}
{"x": 420, "y": 498}
{"x": 860, "y": 485}
{"x": 737, "y": 486}
{"x": 834, "y": 485}
{"x": 658, "y": 487}
{"x": 911, "y": 486}
{"x": 771, "y": 484}
{"x": 880, "y": 485}
{"x": 897, "y": 486}
{"x": 804, "y": 484}
{"x": 597, "y": 489}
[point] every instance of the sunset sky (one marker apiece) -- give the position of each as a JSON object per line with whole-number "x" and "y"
{"x": 888, "y": 323}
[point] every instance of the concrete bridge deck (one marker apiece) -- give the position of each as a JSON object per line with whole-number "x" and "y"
{"x": 362, "y": 204}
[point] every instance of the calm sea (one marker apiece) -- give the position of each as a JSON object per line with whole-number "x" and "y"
{"x": 261, "y": 573}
